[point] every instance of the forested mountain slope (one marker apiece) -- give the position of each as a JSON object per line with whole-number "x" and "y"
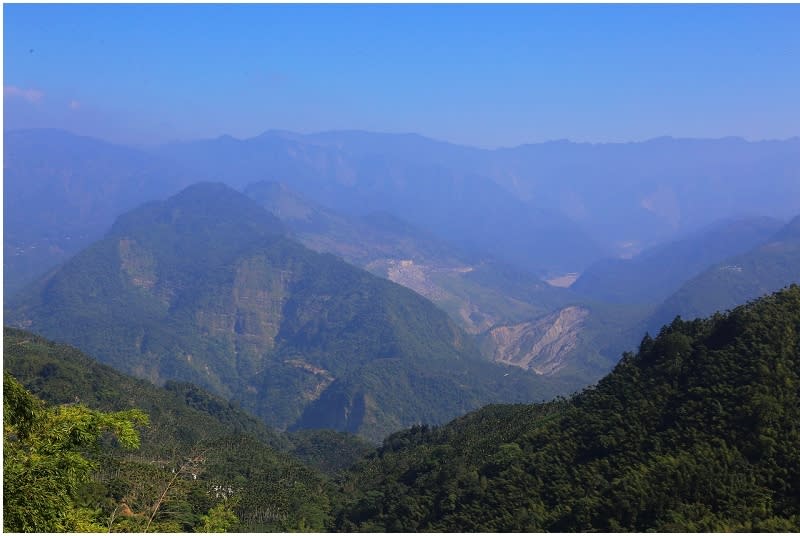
{"x": 698, "y": 431}
{"x": 520, "y": 319}
{"x": 181, "y": 414}
{"x": 657, "y": 272}
{"x": 769, "y": 266}
{"x": 205, "y": 288}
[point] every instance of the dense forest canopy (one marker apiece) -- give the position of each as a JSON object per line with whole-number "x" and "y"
{"x": 697, "y": 431}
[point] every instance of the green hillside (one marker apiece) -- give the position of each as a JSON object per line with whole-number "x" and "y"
{"x": 698, "y": 431}
{"x": 766, "y": 268}
{"x": 657, "y": 272}
{"x": 207, "y": 442}
{"x": 204, "y": 288}
{"x": 181, "y": 414}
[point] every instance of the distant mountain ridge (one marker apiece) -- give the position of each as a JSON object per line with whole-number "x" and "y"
{"x": 546, "y": 208}
{"x": 62, "y": 191}
{"x": 205, "y": 288}
{"x": 767, "y": 267}
{"x": 640, "y": 192}
{"x": 659, "y": 271}
{"x": 464, "y": 208}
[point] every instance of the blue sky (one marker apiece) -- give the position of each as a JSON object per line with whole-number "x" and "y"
{"x": 486, "y": 75}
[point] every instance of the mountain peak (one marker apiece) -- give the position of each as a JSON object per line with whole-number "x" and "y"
{"x": 204, "y": 206}
{"x": 791, "y": 231}
{"x": 207, "y": 190}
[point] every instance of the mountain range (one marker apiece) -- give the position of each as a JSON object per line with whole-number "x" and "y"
{"x": 621, "y": 196}
{"x": 767, "y": 267}
{"x": 458, "y": 205}
{"x": 61, "y": 192}
{"x": 657, "y": 272}
{"x": 519, "y": 319}
{"x": 355, "y": 195}
{"x": 696, "y": 431}
{"x": 476, "y": 291}
{"x": 547, "y": 209}
{"x": 204, "y": 287}
{"x": 212, "y": 279}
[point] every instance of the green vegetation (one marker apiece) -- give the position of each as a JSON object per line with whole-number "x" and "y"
{"x": 476, "y": 292}
{"x": 45, "y": 463}
{"x": 764, "y": 269}
{"x": 180, "y": 414}
{"x": 204, "y": 288}
{"x": 202, "y": 464}
{"x": 698, "y": 431}
{"x": 657, "y": 272}
{"x": 327, "y": 450}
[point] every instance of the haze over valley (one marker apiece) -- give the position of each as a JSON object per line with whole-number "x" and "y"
{"x": 349, "y": 315}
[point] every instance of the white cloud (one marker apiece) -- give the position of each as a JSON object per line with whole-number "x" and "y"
{"x": 29, "y": 94}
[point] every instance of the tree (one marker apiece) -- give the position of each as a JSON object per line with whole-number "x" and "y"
{"x": 219, "y": 519}
{"x": 47, "y": 459}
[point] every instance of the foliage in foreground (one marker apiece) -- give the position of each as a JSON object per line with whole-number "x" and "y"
{"x": 47, "y": 459}
{"x": 202, "y": 462}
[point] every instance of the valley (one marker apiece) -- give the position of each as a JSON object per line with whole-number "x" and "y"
{"x": 404, "y": 268}
{"x": 539, "y": 345}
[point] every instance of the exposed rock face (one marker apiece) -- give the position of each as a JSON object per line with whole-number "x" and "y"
{"x": 541, "y": 345}
{"x": 324, "y": 378}
{"x": 259, "y": 293}
{"x": 426, "y": 280}
{"x": 393, "y": 249}
{"x": 137, "y": 263}
{"x": 411, "y": 275}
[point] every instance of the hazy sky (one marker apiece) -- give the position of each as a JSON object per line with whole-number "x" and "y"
{"x": 486, "y": 75}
